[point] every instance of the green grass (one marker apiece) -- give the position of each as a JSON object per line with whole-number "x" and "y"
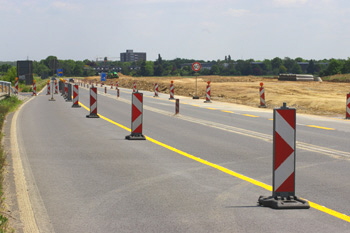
{"x": 7, "y": 105}
{"x": 337, "y": 78}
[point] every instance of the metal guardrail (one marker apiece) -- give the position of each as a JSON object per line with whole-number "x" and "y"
{"x": 6, "y": 89}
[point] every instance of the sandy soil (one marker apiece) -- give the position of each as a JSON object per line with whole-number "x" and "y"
{"x": 319, "y": 98}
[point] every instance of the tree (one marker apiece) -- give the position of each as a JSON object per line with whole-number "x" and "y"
{"x": 276, "y": 63}
{"x": 346, "y": 67}
{"x": 311, "y": 67}
{"x": 334, "y": 67}
{"x": 146, "y": 68}
{"x": 215, "y": 70}
{"x": 296, "y": 69}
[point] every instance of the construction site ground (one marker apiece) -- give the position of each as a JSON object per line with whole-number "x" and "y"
{"x": 317, "y": 98}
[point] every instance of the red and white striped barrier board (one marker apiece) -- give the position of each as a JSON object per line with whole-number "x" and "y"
{"x": 172, "y": 88}
{"x": 65, "y": 90}
{"x": 93, "y": 103}
{"x": 16, "y": 86}
{"x": 177, "y": 106}
{"x": 34, "y": 89}
{"x": 283, "y": 195}
{"x": 116, "y": 85}
{"x": 134, "y": 88}
{"x": 136, "y": 117}
{"x": 262, "y": 96}
{"x": 48, "y": 90}
{"x": 348, "y": 106}
{"x": 112, "y": 86}
{"x": 56, "y": 87}
{"x": 207, "y": 95}
{"x": 76, "y": 96}
{"x": 156, "y": 90}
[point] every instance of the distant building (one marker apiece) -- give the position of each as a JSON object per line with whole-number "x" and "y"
{"x": 130, "y": 56}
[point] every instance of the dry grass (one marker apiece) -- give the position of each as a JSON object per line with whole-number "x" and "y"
{"x": 319, "y": 98}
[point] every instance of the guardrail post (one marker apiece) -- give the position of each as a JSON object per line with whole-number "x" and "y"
{"x": 177, "y": 106}
{"x": 283, "y": 195}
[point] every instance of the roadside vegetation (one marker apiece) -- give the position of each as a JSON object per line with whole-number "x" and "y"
{"x": 7, "y": 105}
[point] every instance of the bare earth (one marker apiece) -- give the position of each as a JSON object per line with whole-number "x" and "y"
{"x": 318, "y": 98}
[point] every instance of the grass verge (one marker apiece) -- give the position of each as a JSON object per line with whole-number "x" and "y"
{"x": 7, "y": 105}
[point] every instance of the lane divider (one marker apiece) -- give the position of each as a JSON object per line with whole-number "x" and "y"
{"x": 227, "y": 171}
{"x": 249, "y": 115}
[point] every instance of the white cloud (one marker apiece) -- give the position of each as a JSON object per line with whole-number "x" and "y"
{"x": 237, "y": 12}
{"x": 64, "y": 5}
{"x": 287, "y": 3}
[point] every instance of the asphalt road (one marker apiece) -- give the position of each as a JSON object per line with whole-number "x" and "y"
{"x": 190, "y": 175}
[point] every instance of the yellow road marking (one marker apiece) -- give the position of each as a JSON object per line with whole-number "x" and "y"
{"x": 211, "y": 108}
{"x": 227, "y": 171}
{"x": 319, "y": 127}
{"x": 195, "y": 105}
{"x": 248, "y": 115}
{"x": 227, "y": 111}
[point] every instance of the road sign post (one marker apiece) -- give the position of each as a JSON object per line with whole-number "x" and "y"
{"x": 196, "y": 66}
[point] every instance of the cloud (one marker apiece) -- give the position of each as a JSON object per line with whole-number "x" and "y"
{"x": 237, "y": 12}
{"x": 287, "y": 3}
{"x": 64, "y": 5}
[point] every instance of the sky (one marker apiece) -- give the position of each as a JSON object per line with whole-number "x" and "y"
{"x": 194, "y": 29}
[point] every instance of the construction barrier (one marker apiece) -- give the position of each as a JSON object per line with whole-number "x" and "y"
{"x": 136, "y": 117}
{"x": 56, "y": 87}
{"x": 171, "y": 90}
{"x": 93, "y": 103}
{"x": 34, "y": 88}
{"x": 134, "y": 89}
{"x": 348, "y": 106}
{"x": 65, "y": 90}
{"x": 76, "y": 96}
{"x": 207, "y": 95}
{"x": 156, "y": 90}
{"x": 52, "y": 87}
{"x": 69, "y": 93}
{"x": 48, "y": 89}
{"x": 118, "y": 92}
{"x": 262, "y": 96}
{"x": 116, "y": 85}
{"x": 283, "y": 195}
{"x": 16, "y": 86}
{"x": 105, "y": 90}
{"x": 112, "y": 86}
{"x": 177, "y": 106}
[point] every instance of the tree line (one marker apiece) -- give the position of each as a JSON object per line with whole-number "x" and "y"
{"x": 182, "y": 67}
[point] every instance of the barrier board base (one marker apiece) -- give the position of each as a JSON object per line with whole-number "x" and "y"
{"x": 207, "y": 101}
{"x": 195, "y": 97}
{"x": 283, "y": 203}
{"x": 171, "y": 98}
{"x": 92, "y": 116}
{"x": 135, "y": 137}
{"x": 52, "y": 99}
{"x": 262, "y": 106}
{"x": 76, "y": 106}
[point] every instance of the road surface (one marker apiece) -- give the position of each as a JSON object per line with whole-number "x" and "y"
{"x": 200, "y": 171}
